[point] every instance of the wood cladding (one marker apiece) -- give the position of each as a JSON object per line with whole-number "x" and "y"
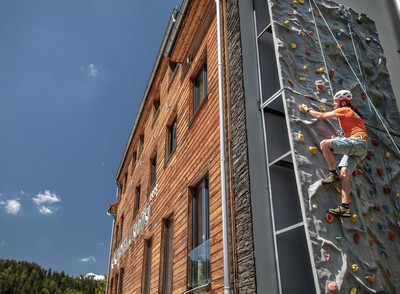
{"x": 196, "y": 155}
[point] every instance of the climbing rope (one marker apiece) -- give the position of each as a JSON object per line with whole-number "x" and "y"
{"x": 322, "y": 50}
{"x": 355, "y": 75}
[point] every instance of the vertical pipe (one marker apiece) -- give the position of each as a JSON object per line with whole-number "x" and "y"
{"x": 222, "y": 154}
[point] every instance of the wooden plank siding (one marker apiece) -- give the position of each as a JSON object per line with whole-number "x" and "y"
{"x": 197, "y": 154}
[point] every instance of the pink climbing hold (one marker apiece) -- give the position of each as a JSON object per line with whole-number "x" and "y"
{"x": 333, "y": 288}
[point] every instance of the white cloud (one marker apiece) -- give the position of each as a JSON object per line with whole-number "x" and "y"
{"x": 12, "y": 206}
{"x": 87, "y": 259}
{"x": 90, "y": 69}
{"x": 43, "y": 199}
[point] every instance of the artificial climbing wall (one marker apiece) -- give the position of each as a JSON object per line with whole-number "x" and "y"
{"x": 324, "y": 47}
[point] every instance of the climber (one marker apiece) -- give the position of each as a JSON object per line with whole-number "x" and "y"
{"x": 353, "y": 146}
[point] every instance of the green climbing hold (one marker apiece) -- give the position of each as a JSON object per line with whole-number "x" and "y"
{"x": 360, "y": 19}
{"x": 368, "y": 39}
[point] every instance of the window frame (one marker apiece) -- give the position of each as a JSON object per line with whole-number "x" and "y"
{"x": 167, "y": 255}
{"x": 153, "y": 171}
{"x": 172, "y": 137}
{"x": 147, "y": 266}
{"x": 200, "y": 82}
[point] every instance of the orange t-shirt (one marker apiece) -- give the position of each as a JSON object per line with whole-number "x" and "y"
{"x": 350, "y": 121}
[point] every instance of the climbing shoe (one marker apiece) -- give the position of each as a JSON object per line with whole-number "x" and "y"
{"x": 331, "y": 178}
{"x": 340, "y": 211}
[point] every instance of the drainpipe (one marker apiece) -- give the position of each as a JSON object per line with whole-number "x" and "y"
{"x": 225, "y": 239}
{"x": 397, "y": 4}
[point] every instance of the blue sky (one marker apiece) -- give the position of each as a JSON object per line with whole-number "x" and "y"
{"x": 72, "y": 75}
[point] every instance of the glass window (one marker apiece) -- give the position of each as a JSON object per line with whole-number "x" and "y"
{"x": 121, "y": 281}
{"x": 153, "y": 171}
{"x": 200, "y": 86}
{"x": 147, "y": 267}
{"x": 137, "y": 201}
{"x": 199, "y": 257}
{"x": 172, "y": 137}
{"x": 168, "y": 256}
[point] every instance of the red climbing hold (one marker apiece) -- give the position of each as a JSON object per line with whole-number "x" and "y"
{"x": 329, "y": 217}
{"x": 392, "y": 236}
{"x": 308, "y": 52}
{"x": 371, "y": 242}
{"x": 380, "y": 171}
{"x": 331, "y": 73}
{"x": 291, "y": 83}
{"x": 356, "y": 237}
{"x": 389, "y": 272}
{"x": 386, "y": 190}
{"x": 363, "y": 95}
{"x": 375, "y": 142}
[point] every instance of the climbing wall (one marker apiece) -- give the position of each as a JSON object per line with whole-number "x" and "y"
{"x": 324, "y": 47}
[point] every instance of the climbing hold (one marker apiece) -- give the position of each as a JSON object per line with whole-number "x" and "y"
{"x": 305, "y": 67}
{"x": 372, "y": 220}
{"x": 371, "y": 242}
{"x": 377, "y": 207}
{"x": 290, "y": 13}
{"x": 375, "y": 142}
{"x": 354, "y": 218}
{"x": 320, "y": 70}
{"x": 291, "y": 83}
{"x": 353, "y": 290}
{"x": 380, "y": 171}
{"x": 368, "y": 40}
{"x": 363, "y": 95}
{"x": 398, "y": 224}
{"x": 300, "y": 137}
{"x": 320, "y": 85}
{"x": 327, "y": 257}
{"x": 331, "y": 73}
{"x": 360, "y": 19}
{"x": 338, "y": 239}
{"x": 327, "y": 45}
{"x": 389, "y": 272}
{"x": 354, "y": 267}
{"x": 389, "y": 169}
{"x": 359, "y": 171}
{"x": 294, "y": 4}
{"x": 308, "y": 52}
{"x": 387, "y": 154}
{"x": 382, "y": 249}
{"x": 386, "y": 208}
{"x": 315, "y": 206}
{"x": 293, "y": 45}
{"x": 341, "y": 80}
{"x": 356, "y": 237}
{"x": 381, "y": 226}
{"x": 310, "y": 33}
{"x": 339, "y": 46}
{"x": 337, "y": 189}
{"x": 398, "y": 195}
{"x": 333, "y": 288}
{"x": 329, "y": 217}
{"x": 322, "y": 108}
{"x": 314, "y": 12}
{"x": 313, "y": 149}
{"x": 302, "y": 109}
{"x": 302, "y": 79}
{"x": 287, "y": 23}
{"x": 396, "y": 212}
{"x": 392, "y": 236}
{"x": 370, "y": 279}
{"x": 386, "y": 190}
{"x": 301, "y": 2}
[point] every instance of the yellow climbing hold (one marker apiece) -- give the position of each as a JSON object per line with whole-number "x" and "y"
{"x": 287, "y": 23}
{"x": 354, "y": 267}
{"x": 387, "y": 154}
{"x": 322, "y": 108}
{"x": 315, "y": 206}
{"x": 339, "y": 46}
{"x": 302, "y": 79}
{"x": 300, "y": 137}
{"x": 320, "y": 70}
{"x": 301, "y": 2}
{"x": 353, "y": 291}
{"x": 305, "y": 67}
{"x": 294, "y": 4}
{"x": 354, "y": 218}
{"x": 337, "y": 189}
{"x": 313, "y": 149}
{"x": 293, "y": 45}
{"x": 302, "y": 109}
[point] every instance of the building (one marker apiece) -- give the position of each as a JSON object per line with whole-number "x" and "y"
{"x": 217, "y": 188}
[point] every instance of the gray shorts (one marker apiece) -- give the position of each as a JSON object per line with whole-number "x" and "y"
{"x": 354, "y": 151}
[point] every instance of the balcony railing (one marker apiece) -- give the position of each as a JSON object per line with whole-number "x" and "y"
{"x": 199, "y": 263}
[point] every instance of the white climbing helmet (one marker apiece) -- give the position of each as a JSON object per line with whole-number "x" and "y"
{"x": 343, "y": 95}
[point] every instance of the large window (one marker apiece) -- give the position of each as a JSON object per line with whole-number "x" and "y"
{"x": 200, "y": 86}
{"x": 147, "y": 267}
{"x": 172, "y": 137}
{"x": 199, "y": 257}
{"x": 167, "y": 256}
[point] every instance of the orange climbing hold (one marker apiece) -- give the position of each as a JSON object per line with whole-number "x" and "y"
{"x": 313, "y": 149}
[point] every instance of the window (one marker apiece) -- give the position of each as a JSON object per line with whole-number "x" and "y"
{"x": 121, "y": 226}
{"x": 172, "y": 137}
{"x": 116, "y": 284}
{"x": 116, "y": 236}
{"x": 133, "y": 161}
{"x": 147, "y": 267}
{"x": 137, "y": 201}
{"x": 199, "y": 257}
{"x": 153, "y": 175}
{"x": 111, "y": 285}
{"x": 156, "y": 107}
{"x": 121, "y": 281}
{"x": 141, "y": 144}
{"x": 168, "y": 256}
{"x": 200, "y": 86}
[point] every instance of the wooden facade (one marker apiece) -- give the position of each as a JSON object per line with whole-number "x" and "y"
{"x": 168, "y": 104}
